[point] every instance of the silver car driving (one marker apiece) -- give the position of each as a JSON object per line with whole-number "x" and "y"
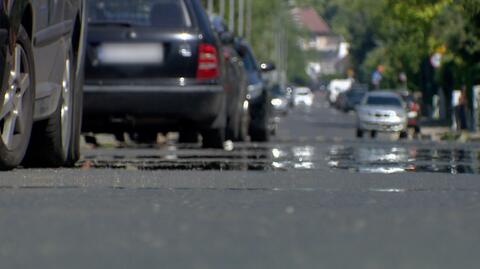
{"x": 382, "y": 111}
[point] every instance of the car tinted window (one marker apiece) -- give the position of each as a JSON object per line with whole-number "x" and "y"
{"x": 277, "y": 90}
{"x": 249, "y": 61}
{"x": 383, "y": 101}
{"x": 154, "y": 13}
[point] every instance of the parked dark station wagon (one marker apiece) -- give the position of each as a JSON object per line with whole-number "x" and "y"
{"x": 155, "y": 66}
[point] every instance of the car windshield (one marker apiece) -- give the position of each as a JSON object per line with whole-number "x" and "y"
{"x": 383, "y": 101}
{"x": 161, "y": 14}
{"x": 302, "y": 93}
{"x": 278, "y": 91}
{"x": 356, "y": 94}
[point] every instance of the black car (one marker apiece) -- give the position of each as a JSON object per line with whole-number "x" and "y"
{"x": 258, "y": 96}
{"x": 41, "y": 52}
{"x": 347, "y": 101}
{"x": 155, "y": 66}
{"x": 238, "y": 110}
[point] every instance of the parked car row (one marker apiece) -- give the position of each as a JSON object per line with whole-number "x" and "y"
{"x": 165, "y": 65}
{"x": 123, "y": 67}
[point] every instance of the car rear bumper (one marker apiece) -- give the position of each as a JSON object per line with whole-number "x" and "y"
{"x": 162, "y": 106}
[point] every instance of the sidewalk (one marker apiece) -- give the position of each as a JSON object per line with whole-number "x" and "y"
{"x": 441, "y": 133}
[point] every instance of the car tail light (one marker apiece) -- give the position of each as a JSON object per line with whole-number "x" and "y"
{"x": 207, "y": 62}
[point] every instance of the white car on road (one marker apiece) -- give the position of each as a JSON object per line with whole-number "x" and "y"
{"x": 303, "y": 96}
{"x": 382, "y": 111}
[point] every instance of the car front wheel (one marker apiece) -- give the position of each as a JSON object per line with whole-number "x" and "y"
{"x": 213, "y": 138}
{"x": 16, "y": 113}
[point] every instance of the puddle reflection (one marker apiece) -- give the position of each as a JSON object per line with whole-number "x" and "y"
{"x": 388, "y": 160}
{"x": 354, "y": 157}
{"x": 242, "y": 158}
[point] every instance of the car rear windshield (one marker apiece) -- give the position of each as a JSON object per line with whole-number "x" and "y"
{"x": 383, "y": 101}
{"x": 163, "y": 14}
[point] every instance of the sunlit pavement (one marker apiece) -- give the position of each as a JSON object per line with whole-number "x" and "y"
{"x": 314, "y": 197}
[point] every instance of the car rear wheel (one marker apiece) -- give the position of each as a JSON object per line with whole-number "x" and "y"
{"x": 51, "y": 143}
{"x": 373, "y": 134}
{"x": 213, "y": 138}
{"x": 403, "y": 135}
{"x": 259, "y": 130}
{"x": 359, "y": 133}
{"x": 16, "y": 113}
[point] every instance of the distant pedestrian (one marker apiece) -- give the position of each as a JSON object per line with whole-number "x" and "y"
{"x": 461, "y": 111}
{"x": 377, "y": 77}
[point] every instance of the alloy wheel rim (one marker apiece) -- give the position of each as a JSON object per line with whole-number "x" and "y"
{"x": 66, "y": 106}
{"x": 12, "y": 116}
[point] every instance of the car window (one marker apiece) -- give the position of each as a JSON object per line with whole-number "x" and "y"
{"x": 153, "y": 13}
{"x": 248, "y": 61}
{"x": 383, "y": 101}
{"x": 277, "y": 90}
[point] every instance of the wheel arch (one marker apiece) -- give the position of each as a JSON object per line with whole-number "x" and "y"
{"x": 79, "y": 36}
{"x": 27, "y": 20}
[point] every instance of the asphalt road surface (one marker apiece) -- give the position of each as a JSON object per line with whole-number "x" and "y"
{"x": 315, "y": 197}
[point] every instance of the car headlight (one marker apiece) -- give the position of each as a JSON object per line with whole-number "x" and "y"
{"x": 277, "y": 102}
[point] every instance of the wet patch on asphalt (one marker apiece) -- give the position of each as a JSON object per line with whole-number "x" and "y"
{"x": 353, "y": 156}
{"x": 404, "y": 158}
{"x": 244, "y": 157}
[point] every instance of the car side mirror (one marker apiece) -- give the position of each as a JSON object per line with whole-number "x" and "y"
{"x": 267, "y": 67}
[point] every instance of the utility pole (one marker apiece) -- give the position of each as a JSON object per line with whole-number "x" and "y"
{"x": 222, "y": 8}
{"x": 231, "y": 17}
{"x": 210, "y": 6}
{"x": 249, "y": 20}
{"x": 241, "y": 18}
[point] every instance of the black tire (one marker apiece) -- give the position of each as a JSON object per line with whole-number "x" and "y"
{"x": 417, "y": 130}
{"x": 49, "y": 146}
{"x": 260, "y": 135}
{"x": 359, "y": 133}
{"x": 119, "y": 137}
{"x": 12, "y": 155}
{"x": 259, "y": 127}
{"x": 213, "y": 138}
{"x": 232, "y": 127}
{"x": 92, "y": 140}
{"x": 403, "y": 135}
{"x": 373, "y": 134}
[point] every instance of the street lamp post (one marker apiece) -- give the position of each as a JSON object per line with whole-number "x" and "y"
{"x": 241, "y": 18}
{"x": 231, "y": 16}
{"x": 210, "y": 6}
{"x": 249, "y": 16}
{"x": 222, "y": 8}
